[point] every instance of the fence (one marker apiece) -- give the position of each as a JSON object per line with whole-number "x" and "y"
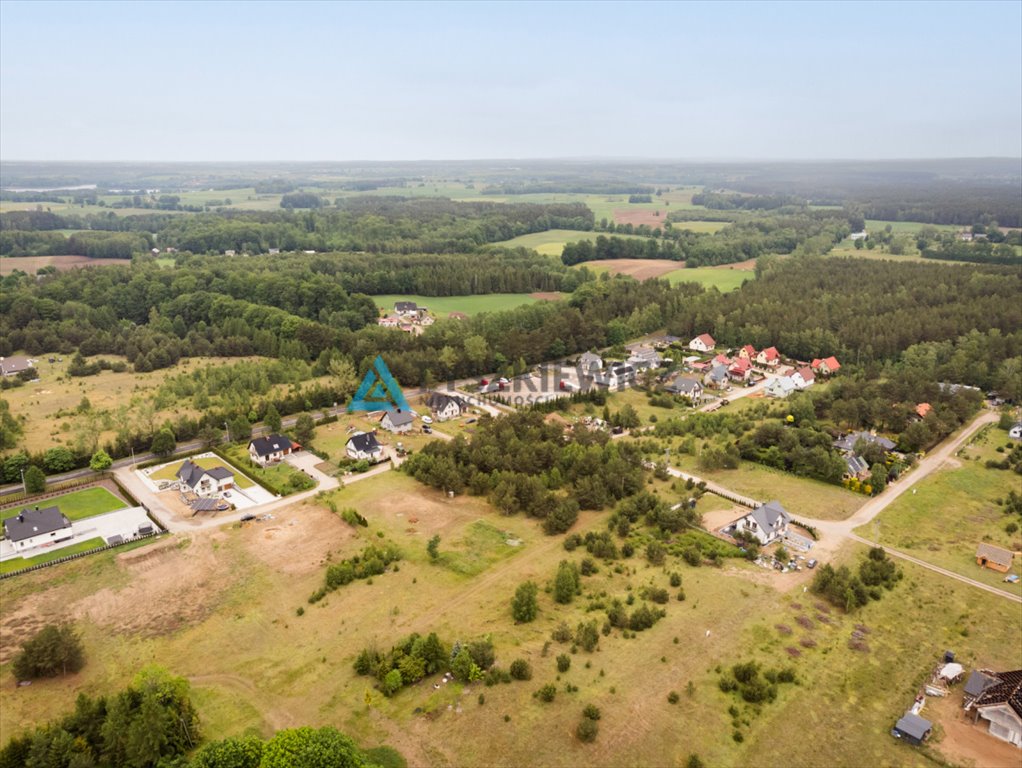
{"x": 60, "y": 489}
{"x": 77, "y": 555}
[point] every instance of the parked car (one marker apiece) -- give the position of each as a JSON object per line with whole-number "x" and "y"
{"x": 246, "y": 518}
{"x": 427, "y": 419}
{"x": 811, "y": 564}
{"x": 428, "y": 430}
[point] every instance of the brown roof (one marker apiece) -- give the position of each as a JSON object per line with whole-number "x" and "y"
{"x": 1007, "y": 691}
{"x": 995, "y": 554}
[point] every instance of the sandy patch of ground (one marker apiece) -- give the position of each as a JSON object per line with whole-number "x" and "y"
{"x": 547, "y": 295}
{"x": 641, "y": 216}
{"x": 640, "y": 269}
{"x": 31, "y": 264}
{"x": 747, "y": 266}
{"x": 718, "y": 518}
{"x": 965, "y": 743}
{"x": 297, "y": 540}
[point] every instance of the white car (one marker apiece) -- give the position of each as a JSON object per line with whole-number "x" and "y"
{"x": 427, "y": 420}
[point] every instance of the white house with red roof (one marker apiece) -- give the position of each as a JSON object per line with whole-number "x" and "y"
{"x": 740, "y": 370}
{"x": 769, "y": 357}
{"x": 803, "y": 377}
{"x": 702, "y": 343}
{"x": 748, "y": 352}
{"x": 826, "y": 366}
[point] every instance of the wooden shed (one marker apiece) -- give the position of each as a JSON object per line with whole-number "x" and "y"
{"x": 995, "y": 558}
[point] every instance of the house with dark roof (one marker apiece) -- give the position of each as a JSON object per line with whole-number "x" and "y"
{"x": 856, "y": 467}
{"x": 202, "y": 481}
{"x": 847, "y": 443}
{"x": 994, "y": 558}
{"x": 589, "y": 363}
{"x": 616, "y": 375}
{"x": 644, "y": 357}
{"x": 270, "y": 449}
{"x": 716, "y": 377}
{"x": 12, "y": 366}
{"x": 767, "y": 523}
{"x": 406, "y": 307}
{"x": 978, "y": 681}
{"x": 912, "y": 728}
{"x": 689, "y": 388}
{"x": 35, "y": 527}
{"x": 364, "y": 445}
{"x": 1000, "y": 704}
{"x": 444, "y": 406}
{"x": 397, "y": 421}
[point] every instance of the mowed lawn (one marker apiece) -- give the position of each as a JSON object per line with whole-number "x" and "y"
{"x": 952, "y": 511}
{"x": 169, "y": 471}
{"x": 723, "y": 280}
{"x": 441, "y": 306}
{"x": 76, "y": 504}
{"x": 17, "y": 563}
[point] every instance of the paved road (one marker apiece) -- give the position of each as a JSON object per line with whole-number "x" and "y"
{"x": 739, "y": 393}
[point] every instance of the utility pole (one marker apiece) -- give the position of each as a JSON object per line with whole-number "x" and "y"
{"x": 24, "y": 487}
{"x": 228, "y": 431}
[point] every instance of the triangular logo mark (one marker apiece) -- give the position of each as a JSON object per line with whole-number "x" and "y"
{"x": 379, "y": 390}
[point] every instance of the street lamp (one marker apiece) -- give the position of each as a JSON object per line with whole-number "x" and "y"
{"x": 23, "y": 486}
{"x": 227, "y": 427}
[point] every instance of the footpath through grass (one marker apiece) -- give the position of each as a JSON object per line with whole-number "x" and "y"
{"x": 76, "y": 505}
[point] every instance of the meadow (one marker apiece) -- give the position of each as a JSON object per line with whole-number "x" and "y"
{"x": 77, "y": 505}
{"x": 722, "y": 279}
{"x": 241, "y": 588}
{"x": 552, "y": 241}
{"x": 953, "y": 510}
{"x": 441, "y": 306}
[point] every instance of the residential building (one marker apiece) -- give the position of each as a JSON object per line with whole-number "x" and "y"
{"x": 847, "y": 443}
{"x": 1000, "y": 704}
{"x": 616, "y": 375}
{"x": 857, "y": 467}
{"x": 748, "y": 352}
{"x": 716, "y": 377}
{"x": 826, "y": 367}
{"x": 1015, "y": 433}
{"x": 913, "y": 728}
{"x": 644, "y": 357}
{"x": 444, "y": 406}
{"x": 406, "y": 308}
{"x": 589, "y": 363}
{"x": 803, "y": 377}
{"x": 11, "y": 366}
{"x": 269, "y": 449}
{"x": 769, "y": 357}
{"x": 36, "y": 527}
{"x": 702, "y": 343}
{"x": 364, "y": 445}
{"x": 923, "y": 409}
{"x": 781, "y": 387}
{"x": 994, "y": 558}
{"x": 767, "y": 523}
{"x": 690, "y": 388}
{"x": 204, "y": 482}
{"x": 397, "y": 421}
{"x": 740, "y": 370}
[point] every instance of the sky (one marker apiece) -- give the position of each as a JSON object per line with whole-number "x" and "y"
{"x": 274, "y": 81}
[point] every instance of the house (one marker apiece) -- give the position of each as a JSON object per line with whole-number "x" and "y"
{"x": 803, "y": 377}
{"x": 912, "y": 728}
{"x": 389, "y": 321}
{"x": 977, "y": 683}
{"x": 721, "y": 359}
{"x": 397, "y": 421}
{"x": 1015, "y": 433}
{"x": 616, "y": 375}
{"x": 994, "y": 558}
{"x": 663, "y": 342}
{"x": 202, "y": 481}
{"x": 445, "y": 407}
{"x": 769, "y": 357}
{"x": 363, "y": 445}
{"x": 229, "y": 252}
{"x": 716, "y": 377}
{"x": 406, "y": 308}
{"x": 644, "y": 357}
{"x": 589, "y": 363}
{"x": 274, "y": 251}
{"x": 826, "y": 366}
{"x": 847, "y": 443}
{"x": 781, "y": 387}
{"x": 690, "y": 388}
{"x": 35, "y": 527}
{"x": 1000, "y": 704}
{"x": 748, "y": 352}
{"x": 702, "y": 343}
{"x": 859, "y": 235}
{"x": 923, "y": 409}
{"x": 767, "y": 523}
{"x": 12, "y": 366}
{"x": 269, "y": 449}
{"x": 740, "y": 370}
{"x": 857, "y": 467}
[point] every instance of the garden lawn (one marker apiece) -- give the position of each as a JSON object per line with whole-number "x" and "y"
{"x": 952, "y": 511}
{"x": 76, "y": 505}
{"x": 17, "y": 563}
{"x": 441, "y": 306}
{"x": 281, "y": 478}
{"x": 169, "y": 471}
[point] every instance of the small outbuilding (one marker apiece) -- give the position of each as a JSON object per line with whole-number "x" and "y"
{"x": 994, "y": 558}
{"x": 913, "y": 729}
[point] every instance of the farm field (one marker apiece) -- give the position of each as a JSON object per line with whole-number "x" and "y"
{"x": 169, "y": 471}
{"x": 640, "y": 269}
{"x": 552, "y": 241}
{"x": 239, "y": 587}
{"x": 77, "y": 505}
{"x": 441, "y": 306}
{"x": 952, "y": 511}
{"x": 723, "y": 280}
{"x": 32, "y": 264}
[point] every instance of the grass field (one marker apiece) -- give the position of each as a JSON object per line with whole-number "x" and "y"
{"x": 169, "y": 471}
{"x": 952, "y": 511}
{"x": 441, "y": 306}
{"x": 77, "y": 505}
{"x": 240, "y": 588}
{"x": 552, "y": 242}
{"x": 17, "y": 563}
{"x": 723, "y": 280}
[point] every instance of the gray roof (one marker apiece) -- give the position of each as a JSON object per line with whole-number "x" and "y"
{"x": 590, "y": 357}
{"x": 856, "y": 464}
{"x": 191, "y": 473}
{"x": 683, "y": 386}
{"x": 767, "y": 515}
{"x": 204, "y": 505}
{"x": 622, "y": 370}
{"x": 785, "y": 383}
{"x": 438, "y": 401}
{"x": 995, "y": 554}
{"x": 16, "y": 364}
{"x": 914, "y": 726}
{"x": 115, "y": 539}
{"x": 405, "y": 306}
{"x": 718, "y": 372}
{"x": 264, "y": 446}
{"x": 847, "y": 443}
{"x": 979, "y": 682}
{"x": 399, "y": 418}
{"x": 364, "y": 442}
{"x": 34, "y": 522}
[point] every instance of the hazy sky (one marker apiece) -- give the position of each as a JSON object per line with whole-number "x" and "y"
{"x": 396, "y": 81}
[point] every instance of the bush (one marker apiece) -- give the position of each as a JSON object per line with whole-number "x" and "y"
{"x": 523, "y": 605}
{"x": 587, "y": 636}
{"x": 54, "y": 650}
{"x": 675, "y": 579}
{"x": 547, "y": 692}
{"x": 353, "y": 518}
{"x": 521, "y": 669}
{"x": 563, "y": 662}
{"x": 673, "y": 697}
{"x": 561, "y": 633}
{"x": 591, "y": 712}
{"x": 692, "y": 556}
{"x": 587, "y": 730}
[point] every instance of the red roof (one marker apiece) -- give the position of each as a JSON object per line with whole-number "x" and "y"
{"x": 922, "y": 409}
{"x": 722, "y": 359}
{"x": 749, "y": 350}
{"x": 806, "y": 374}
{"x": 707, "y": 339}
{"x": 770, "y": 353}
{"x": 741, "y": 365}
{"x": 832, "y": 363}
